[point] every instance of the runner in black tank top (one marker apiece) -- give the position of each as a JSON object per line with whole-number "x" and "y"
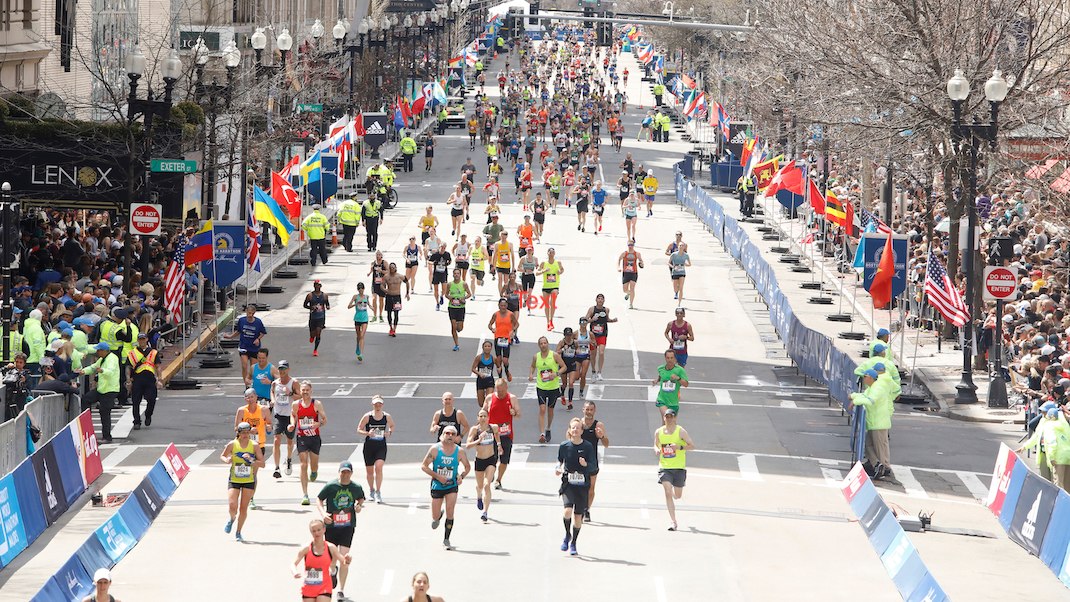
{"x": 448, "y": 416}
{"x": 376, "y": 426}
{"x": 594, "y": 432}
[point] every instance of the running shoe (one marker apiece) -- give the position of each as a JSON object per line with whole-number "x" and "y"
{"x": 227, "y": 527}
{"x": 583, "y": 229}
{"x": 289, "y": 466}
{"x": 479, "y": 503}
{"x": 312, "y": 476}
{"x": 547, "y": 436}
{"x": 564, "y": 544}
{"x": 304, "y": 501}
{"x": 516, "y": 340}
{"x": 277, "y": 474}
{"x": 238, "y": 537}
{"x": 456, "y": 347}
{"x": 436, "y": 522}
{"x": 446, "y": 544}
{"x": 358, "y": 351}
{"x": 438, "y": 306}
{"x": 311, "y": 339}
{"x": 498, "y": 485}
{"x": 542, "y": 438}
{"x": 572, "y": 550}
{"x": 483, "y": 517}
{"x": 578, "y": 227}
{"x": 252, "y": 504}
{"x": 549, "y": 326}
{"x": 315, "y": 353}
{"x": 379, "y": 496}
{"x": 625, "y": 296}
{"x": 392, "y": 333}
{"x": 600, "y": 379}
{"x": 586, "y": 517}
{"x": 360, "y": 358}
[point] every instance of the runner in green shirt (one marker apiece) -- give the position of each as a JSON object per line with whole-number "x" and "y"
{"x": 338, "y": 503}
{"x": 671, "y": 376}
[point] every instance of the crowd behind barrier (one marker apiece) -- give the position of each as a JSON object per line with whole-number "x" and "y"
{"x": 898, "y": 555}
{"x": 51, "y": 413}
{"x": 813, "y": 353}
{"x": 114, "y": 539}
{"x": 44, "y": 485}
{"x": 1034, "y": 512}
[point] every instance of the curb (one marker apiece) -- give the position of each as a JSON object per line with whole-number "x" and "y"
{"x": 172, "y": 368}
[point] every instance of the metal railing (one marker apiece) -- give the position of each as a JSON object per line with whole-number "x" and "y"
{"x": 49, "y": 412}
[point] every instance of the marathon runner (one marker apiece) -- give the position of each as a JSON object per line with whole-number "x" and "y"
{"x": 309, "y": 418}
{"x": 317, "y": 303}
{"x": 574, "y": 460}
{"x": 504, "y": 259}
{"x": 678, "y": 332}
{"x": 582, "y": 192}
{"x": 594, "y": 432}
{"x": 432, "y": 244}
{"x": 598, "y": 199}
{"x": 250, "y": 331}
{"x": 378, "y": 274}
{"x": 338, "y": 504}
{"x": 261, "y": 374}
{"x": 513, "y": 294}
{"x": 566, "y": 348}
{"x": 528, "y": 264}
{"x": 670, "y": 378}
{"x": 650, "y": 188}
{"x": 244, "y": 456}
{"x": 448, "y": 415}
{"x": 420, "y": 584}
{"x": 493, "y": 231}
{"x": 679, "y": 261}
{"x": 551, "y": 271}
{"x": 439, "y": 260}
{"x": 502, "y": 408}
{"x": 376, "y": 426}
{"x": 256, "y": 416}
{"x": 442, "y": 464}
{"x": 503, "y": 324}
{"x": 479, "y": 265}
{"x": 483, "y": 367}
{"x": 629, "y": 209}
{"x": 583, "y": 343}
{"x": 547, "y": 366}
{"x": 671, "y": 443}
{"x": 485, "y": 438}
{"x": 319, "y": 560}
{"x": 538, "y": 209}
{"x": 457, "y": 292}
{"x": 456, "y": 201}
{"x": 428, "y": 222}
{"x": 412, "y": 253}
{"x": 359, "y": 303}
{"x": 392, "y": 285}
{"x": 461, "y": 251}
{"x": 598, "y": 316}
{"x": 284, "y": 390}
{"x": 629, "y": 263}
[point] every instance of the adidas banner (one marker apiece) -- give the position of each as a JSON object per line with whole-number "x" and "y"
{"x": 375, "y": 129}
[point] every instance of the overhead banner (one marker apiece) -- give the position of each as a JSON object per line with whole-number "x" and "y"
{"x": 874, "y": 250}
{"x": 375, "y": 128}
{"x": 229, "y": 262}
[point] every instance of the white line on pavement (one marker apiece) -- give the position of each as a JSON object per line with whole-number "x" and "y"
{"x": 748, "y": 467}
{"x": 595, "y": 392}
{"x": 659, "y": 589}
{"x": 407, "y": 389}
{"x": 787, "y": 403}
{"x": 122, "y": 428}
{"x": 469, "y": 391}
{"x": 356, "y": 457}
{"x": 974, "y": 484}
{"x": 412, "y": 505}
{"x": 529, "y": 392}
{"x": 520, "y": 455}
{"x": 635, "y": 357}
{"x": 199, "y": 456}
{"x": 833, "y": 477}
{"x": 723, "y": 397}
{"x": 388, "y": 582}
{"x": 114, "y": 458}
{"x": 345, "y": 389}
{"x": 644, "y": 513}
{"x": 910, "y": 483}
{"x": 651, "y": 393}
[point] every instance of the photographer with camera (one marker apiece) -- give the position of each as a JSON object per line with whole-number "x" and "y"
{"x": 16, "y": 379}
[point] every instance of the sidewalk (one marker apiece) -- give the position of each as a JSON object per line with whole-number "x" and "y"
{"x": 930, "y": 369}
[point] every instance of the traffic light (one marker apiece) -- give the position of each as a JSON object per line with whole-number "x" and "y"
{"x": 533, "y": 9}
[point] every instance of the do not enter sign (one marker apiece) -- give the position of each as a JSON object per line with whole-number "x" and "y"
{"x": 1001, "y": 284}
{"x": 146, "y": 219}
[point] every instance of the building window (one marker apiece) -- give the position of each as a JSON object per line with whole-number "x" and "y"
{"x": 5, "y": 14}
{"x": 27, "y": 14}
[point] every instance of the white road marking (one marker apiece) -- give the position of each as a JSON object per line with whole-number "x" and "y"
{"x": 635, "y": 357}
{"x": 199, "y": 456}
{"x": 974, "y": 484}
{"x": 345, "y": 389}
{"x": 529, "y": 392}
{"x": 833, "y": 477}
{"x": 787, "y": 403}
{"x": 408, "y": 389}
{"x": 651, "y": 393}
{"x": 356, "y": 458}
{"x": 520, "y": 455}
{"x": 723, "y": 397}
{"x": 469, "y": 391}
{"x": 595, "y": 392}
{"x": 748, "y": 467}
{"x": 910, "y": 483}
{"x": 644, "y": 513}
{"x": 388, "y": 582}
{"x": 122, "y": 428}
{"x": 659, "y": 589}
{"x": 114, "y": 458}
{"x": 412, "y": 505}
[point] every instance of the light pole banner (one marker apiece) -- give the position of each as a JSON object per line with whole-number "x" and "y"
{"x": 229, "y": 263}
{"x": 872, "y": 258}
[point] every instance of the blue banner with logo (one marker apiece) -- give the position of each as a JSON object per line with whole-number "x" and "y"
{"x": 116, "y": 537}
{"x": 12, "y": 532}
{"x": 874, "y": 250}
{"x": 327, "y": 185}
{"x": 229, "y": 262}
{"x": 69, "y": 472}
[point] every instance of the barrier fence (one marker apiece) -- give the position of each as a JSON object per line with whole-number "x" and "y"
{"x": 50, "y": 413}
{"x": 114, "y": 539}
{"x": 1034, "y": 512}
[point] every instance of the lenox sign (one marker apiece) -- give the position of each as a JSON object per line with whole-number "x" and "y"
{"x": 71, "y": 175}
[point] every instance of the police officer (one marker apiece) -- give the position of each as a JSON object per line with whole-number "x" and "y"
{"x": 371, "y": 212}
{"x": 315, "y": 226}
{"x": 659, "y": 91}
{"x": 144, "y": 383}
{"x": 408, "y": 150}
{"x": 349, "y": 217}
{"x": 745, "y": 188}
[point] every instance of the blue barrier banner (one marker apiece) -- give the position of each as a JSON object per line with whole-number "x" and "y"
{"x": 228, "y": 254}
{"x": 162, "y": 481}
{"x": 928, "y": 591}
{"x": 873, "y": 516}
{"x": 12, "y": 532}
{"x": 1053, "y": 552}
{"x": 1014, "y": 490}
{"x": 884, "y": 533}
{"x": 51, "y": 592}
{"x": 149, "y": 500}
{"x": 898, "y": 554}
{"x": 1032, "y": 513}
{"x": 910, "y": 574}
{"x": 73, "y": 580}
{"x": 49, "y": 483}
{"x": 116, "y": 537}
{"x": 93, "y": 556}
{"x": 133, "y": 513}
{"x": 70, "y": 466}
{"x": 33, "y": 515}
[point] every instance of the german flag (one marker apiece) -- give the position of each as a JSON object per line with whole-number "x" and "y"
{"x": 838, "y": 212}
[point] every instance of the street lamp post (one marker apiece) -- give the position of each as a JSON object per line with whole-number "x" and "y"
{"x": 968, "y": 138}
{"x": 8, "y": 262}
{"x": 353, "y": 48}
{"x": 259, "y": 42}
{"x": 149, "y": 108}
{"x": 214, "y": 96}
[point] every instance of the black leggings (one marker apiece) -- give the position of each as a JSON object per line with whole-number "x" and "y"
{"x": 392, "y": 315}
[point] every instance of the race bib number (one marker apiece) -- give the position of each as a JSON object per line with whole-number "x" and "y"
{"x": 668, "y": 386}
{"x": 551, "y": 278}
{"x": 505, "y": 429}
{"x": 455, "y": 302}
{"x": 679, "y": 345}
{"x": 378, "y": 433}
{"x": 568, "y": 352}
{"x": 313, "y": 577}
{"x": 678, "y": 270}
{"x": 397, "y": 306}
{"x": 341, "y": 519}
{"x": 242, "y": 471}
{"x": 445, "y": 471}
{"x": 440, "y": 268}
{"x": 577, "y": 478}
{"x": 547, "y": 375}
{"x": 483, "y": 372}
{"x": 378, "y": 280}
{"x": 668, "y": 450}
{"x": 598, "y": 328}
{"x": 503, "y": 257}
{"x": 488, "y": 439}
{"x": 503, "y": 342}
{"x": 306, "y": 425}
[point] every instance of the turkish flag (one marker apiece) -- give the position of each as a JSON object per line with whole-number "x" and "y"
{"x": 881, "y": 286}
{"x": 285, "y": 195}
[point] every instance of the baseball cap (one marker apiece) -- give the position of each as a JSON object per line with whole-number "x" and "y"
{"x": 882, "y": 332}
{"x": 347, "y": 465}
{"x": 679, "y": 310}
{"x": 142, "y": 335}
{"x": 67, "y": 332}
{"x": 670, "y": 412}
{"x": 879, "y": 367}
{"x": 870, "y": 373}
{"x": 245, "y": 426}
{"x": 63, "y": 324}
{"x": 102, "y": 575}
{"x": 102, "y": 346}
{"x": 284, "y": 365}
{"x": 879, "y": 348}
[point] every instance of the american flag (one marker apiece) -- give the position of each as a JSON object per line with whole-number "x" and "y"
{"x": 868, "y": 217}
{"x": 942, "y": 293}
{"x": 174, "y": 283}
{"x": 252, "y": 232}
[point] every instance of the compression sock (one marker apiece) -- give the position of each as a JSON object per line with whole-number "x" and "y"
{"x": 571, "y": 393}
{"x": 317, "y": 344}
{"x": 449, "y": 527}
{"x": 568, "y": 525}
{"x": 575, "y": 534}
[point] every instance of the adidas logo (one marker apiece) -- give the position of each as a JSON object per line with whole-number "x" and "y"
{"x": 739, "y": 138}
{"x": 375, "y": 128}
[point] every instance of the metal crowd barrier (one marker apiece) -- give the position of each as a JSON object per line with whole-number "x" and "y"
{"x": 50, "y": 413}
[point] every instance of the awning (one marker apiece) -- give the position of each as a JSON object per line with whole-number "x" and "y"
{"x": 1062, "y": 183}
{"x": 1035, "y": 172}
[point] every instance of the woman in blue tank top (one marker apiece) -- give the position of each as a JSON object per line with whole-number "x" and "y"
{"x": 360, "y": 301}
{"x": 442, "y": 464}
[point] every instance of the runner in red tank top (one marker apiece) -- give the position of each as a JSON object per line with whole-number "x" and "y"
{"x": 502, "y": 409}
{"x": 319, "y": 558}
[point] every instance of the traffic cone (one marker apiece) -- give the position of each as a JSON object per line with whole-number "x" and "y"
{"x": 334, "y": 236}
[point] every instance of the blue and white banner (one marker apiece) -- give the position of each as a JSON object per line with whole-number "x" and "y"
{"x": 229, "y": 263}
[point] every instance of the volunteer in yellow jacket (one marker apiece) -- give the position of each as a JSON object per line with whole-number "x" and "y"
{"x": 106, "y": 391}
{"x": 1051, "y": 440}
{"x": 671, "y": 443}
{"x": 875, "y": 398}
{"x": 243, "y": 456}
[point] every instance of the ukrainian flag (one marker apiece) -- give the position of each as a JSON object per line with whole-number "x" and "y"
{"x": 268, "y": 211}
{"x": 310, "y": 169}
{"x": 200, "y": 247}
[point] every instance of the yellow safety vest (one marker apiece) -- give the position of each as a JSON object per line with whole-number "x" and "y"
{"x": 149, "y": 363}
{"x": 108, "y": 330}
{"x": 348, "y": 213}
{"x": 128, "y": 347}
{"x": 316, "y": 226}
{"x": 371, "y": 208}
{"x": 408, "y": 145}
